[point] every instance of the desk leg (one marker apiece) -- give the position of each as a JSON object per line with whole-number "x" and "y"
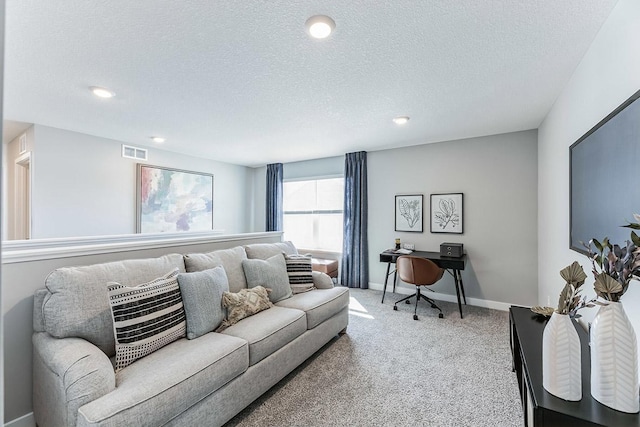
{"x": 386, "y": 278}
{"x": 395, "y": 280}
{"x": 457, "y": 283}
{"x": 464, "y": 298}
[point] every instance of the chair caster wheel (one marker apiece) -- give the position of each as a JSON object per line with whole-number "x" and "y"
{"x": 441, "y": 316}
{"x": 415, "y": 317}
{"x": 433, "y": 306}
{"x": 395, "y": 308}
{"x": 407, "y": 302}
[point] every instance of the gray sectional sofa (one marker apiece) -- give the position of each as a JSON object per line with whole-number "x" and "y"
{"x": 202, "y": 381}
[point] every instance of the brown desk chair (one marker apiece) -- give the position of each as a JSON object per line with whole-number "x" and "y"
{"x": 419, "y": 272}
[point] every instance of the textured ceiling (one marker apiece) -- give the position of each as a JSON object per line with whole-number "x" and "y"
{"x": 241, "y": 82}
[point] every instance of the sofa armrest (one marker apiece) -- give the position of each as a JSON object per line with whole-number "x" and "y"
{"x": 321, "y": 280}
{"x": 67, "y": 373}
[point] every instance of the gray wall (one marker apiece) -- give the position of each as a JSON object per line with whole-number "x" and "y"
{"x": 82, "y": 186}
{"x": 19, "y": 282}
{"x": 608, "y": 74}
{"x": 498, "y": 176}
{"x": 317, "y": 168}
{"x": 259, "y": 187}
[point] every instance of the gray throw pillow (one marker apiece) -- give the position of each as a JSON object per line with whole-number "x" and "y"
{"x": 267, "y": 250}
{"x": 270, "y": 273}
{"x": 202, "y": 296}
{"x": 230, "y": 259}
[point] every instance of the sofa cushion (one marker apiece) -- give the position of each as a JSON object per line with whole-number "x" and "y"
{"x": 319, "y": 304}
{"x": 243, "y": 304}
{"x": 270, "y": 273}
{"x": 202, "y": 296}
{"x": 153, "y": 390}
{"x": 267, "y": 250}
{"x": 299, "y": 272}
{"x": 269, "y": 331}
{"x": 146, "y": 317}
{"x": 78, "y": 305}
{"x": 230, "y": 259}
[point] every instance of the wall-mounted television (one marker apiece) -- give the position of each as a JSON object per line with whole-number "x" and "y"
{"x": 605, "y": 177}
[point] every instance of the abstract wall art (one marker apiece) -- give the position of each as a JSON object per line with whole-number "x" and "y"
{"x": 173, "y": 201}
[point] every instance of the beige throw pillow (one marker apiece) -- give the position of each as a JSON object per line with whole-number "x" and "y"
{"x": 243, "y": 304}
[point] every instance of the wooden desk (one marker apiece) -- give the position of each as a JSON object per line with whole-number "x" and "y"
{"x": 451, "y": 265}
{"x": 541, "y": 408}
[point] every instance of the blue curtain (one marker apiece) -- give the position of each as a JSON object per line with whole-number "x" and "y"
{"x": 274, "y": 197}
{"x": 355, "y": 246}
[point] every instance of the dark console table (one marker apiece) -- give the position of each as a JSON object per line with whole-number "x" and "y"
{"x": 541, "y": 408}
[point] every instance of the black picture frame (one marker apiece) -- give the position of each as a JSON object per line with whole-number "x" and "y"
{"x": 447, "y": 213}
{"x": 409, "y": 213}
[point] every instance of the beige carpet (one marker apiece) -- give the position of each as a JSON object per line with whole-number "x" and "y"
{"x": 390, "y": 370}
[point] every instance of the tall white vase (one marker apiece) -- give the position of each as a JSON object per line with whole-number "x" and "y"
{"x": 561, "y": 364}
{"x": 614, "y": 359}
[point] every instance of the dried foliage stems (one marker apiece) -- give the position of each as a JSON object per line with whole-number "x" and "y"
{"x": 614, "y": 266}
{"x": 635, "y": 239}
{"x": 570, "y": 301}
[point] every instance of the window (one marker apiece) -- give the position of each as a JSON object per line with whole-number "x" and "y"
{"x": 313, "y": 213}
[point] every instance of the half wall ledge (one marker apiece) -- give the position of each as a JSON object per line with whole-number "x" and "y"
{"x": 14, "y": 251}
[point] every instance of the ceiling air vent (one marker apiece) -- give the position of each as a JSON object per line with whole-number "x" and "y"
{"x": 135, "y": 153}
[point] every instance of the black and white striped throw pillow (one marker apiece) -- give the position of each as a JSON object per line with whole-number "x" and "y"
{"x": 299, "y": 271}
{"x": 146, "y": 317}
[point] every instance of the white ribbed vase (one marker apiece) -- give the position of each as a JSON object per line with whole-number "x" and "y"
{"x": 614, "y": 359}
{"x": 561, "y": 364}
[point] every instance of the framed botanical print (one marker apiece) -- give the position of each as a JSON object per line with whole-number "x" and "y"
{"x": 409, "y": 212}
{"x": 446, "y": 213}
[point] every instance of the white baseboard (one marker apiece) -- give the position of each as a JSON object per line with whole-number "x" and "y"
{"x": 496, "y": 305}
{"x": 24, "y": 421}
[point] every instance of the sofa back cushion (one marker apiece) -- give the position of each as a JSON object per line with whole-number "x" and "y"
{"x": 271, "y": 274}
{"x": 267, "y": 250}
{"x": 229, "y": 259}
{"x": 78, "y": 304}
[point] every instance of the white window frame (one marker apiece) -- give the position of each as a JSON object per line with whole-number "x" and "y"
{"x": 316, "y": 251}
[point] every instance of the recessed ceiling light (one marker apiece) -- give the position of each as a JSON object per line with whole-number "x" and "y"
{"x": 158, "y": 139}
{"x": 320, "y": 26}
{"x": 102, "y": 92}
{"x": 402, "y": 120}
